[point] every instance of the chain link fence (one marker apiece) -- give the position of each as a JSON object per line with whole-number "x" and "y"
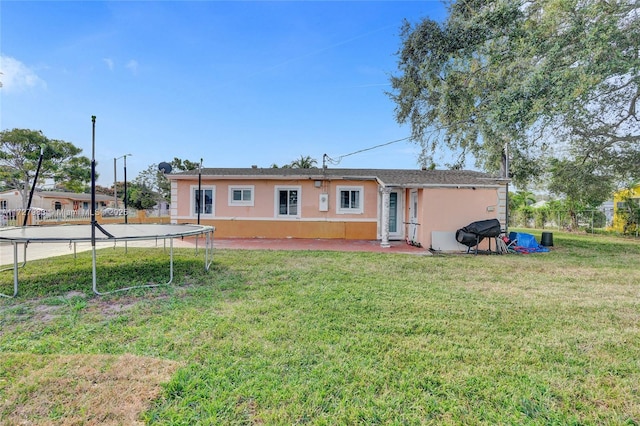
{"x": 588, "y": 220}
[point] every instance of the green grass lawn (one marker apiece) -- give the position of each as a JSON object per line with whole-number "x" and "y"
{"x": 284, "y": 337}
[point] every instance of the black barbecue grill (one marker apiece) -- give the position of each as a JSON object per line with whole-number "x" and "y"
{"x": 473, "y": 234}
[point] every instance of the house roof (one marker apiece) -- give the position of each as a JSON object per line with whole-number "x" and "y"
{"x": 386, "y": 177}
{"x": 72, "y": 195}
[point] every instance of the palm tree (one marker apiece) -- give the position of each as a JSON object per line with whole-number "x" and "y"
{"x": 304, "y": 162}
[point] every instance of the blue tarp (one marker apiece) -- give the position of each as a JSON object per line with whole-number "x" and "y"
{"x": 526, "y": 243}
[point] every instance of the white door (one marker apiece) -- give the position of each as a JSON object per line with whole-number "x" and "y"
{"x": 413, "y": 217}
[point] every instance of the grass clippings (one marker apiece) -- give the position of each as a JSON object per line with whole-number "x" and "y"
{"x": 79, "y": 389}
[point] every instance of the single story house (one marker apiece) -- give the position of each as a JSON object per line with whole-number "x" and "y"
{"x": 424, "y": 207}
{"x": 69, "y": 202}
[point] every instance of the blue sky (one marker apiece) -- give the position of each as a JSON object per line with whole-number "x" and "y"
{"x": 234, "y": 83}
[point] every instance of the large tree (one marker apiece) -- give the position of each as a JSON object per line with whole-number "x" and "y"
{"x": 550, "y": 78}
{"x": 19, "y": 156}
{"x": 141, "y": 197}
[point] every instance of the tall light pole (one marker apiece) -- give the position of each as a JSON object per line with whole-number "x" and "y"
{"x": 115, "y": 181}
{"x": 126, "y": 219}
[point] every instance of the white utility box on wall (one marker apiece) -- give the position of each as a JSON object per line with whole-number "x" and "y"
{"x": 324, "y": 202}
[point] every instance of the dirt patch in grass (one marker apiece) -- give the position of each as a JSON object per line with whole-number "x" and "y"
{"x": 113, "y": 309}
{"x": 80, "y": 389}
{"x": 47, "y": 313}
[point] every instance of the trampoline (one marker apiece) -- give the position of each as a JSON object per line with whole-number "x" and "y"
{"x": 72, "y": 234}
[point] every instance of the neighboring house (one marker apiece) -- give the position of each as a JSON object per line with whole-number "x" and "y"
{"x": 161, "y": 208}
{"x": 619, "y": 202}
{"x": 68, "y": 202}
{"x": 424, "y": 207}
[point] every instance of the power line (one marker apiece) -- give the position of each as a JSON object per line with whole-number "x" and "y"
{"x": 336, "y": 161}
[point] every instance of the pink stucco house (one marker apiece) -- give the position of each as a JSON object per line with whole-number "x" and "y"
{"x": 425, "y": 207}
{"x": 53, "y": 201}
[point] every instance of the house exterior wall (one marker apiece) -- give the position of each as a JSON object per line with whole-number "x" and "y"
{"x": 449, "y": 209}
{"x": 11, "y": 200}
{"x": 260, "y": 219}
{"x": 42, "y": 200}
{"x": 618, "y": 198}
{"x": 50, "y": 203}
{"x": 14, "y": 201}
{"x": 441, "y": 209}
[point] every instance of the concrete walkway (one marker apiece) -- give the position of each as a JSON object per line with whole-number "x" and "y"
{"x": 316, "y": 244}
{"x": 43, "y": 250}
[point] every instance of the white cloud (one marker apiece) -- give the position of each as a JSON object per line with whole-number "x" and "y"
{"x": 109, "y": 63}
{"x": 133, "y": 66}
{"x": 17, "y": 77}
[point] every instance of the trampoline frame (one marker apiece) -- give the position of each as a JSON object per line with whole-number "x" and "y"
{"x": 188, "y": 230}
{"x": 25, "y": 234}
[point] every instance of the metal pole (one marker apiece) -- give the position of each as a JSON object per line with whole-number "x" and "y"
{"x": 92, "y": 210}
{"x": 115, "y": 184}
{"x": 199, "y": 199}
{"x": 506, "y": 176}
{"x": 126, "y": 213}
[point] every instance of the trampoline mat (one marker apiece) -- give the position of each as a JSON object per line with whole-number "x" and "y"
{"x": 120, "y": 231}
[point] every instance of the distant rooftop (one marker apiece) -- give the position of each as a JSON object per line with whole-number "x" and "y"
{"x": 78, "y": 196}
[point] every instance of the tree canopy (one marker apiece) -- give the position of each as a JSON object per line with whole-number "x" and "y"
{"x": 304, "y": 162}
{"x": 550, "y": 78}
{"x": 62, "y": 162}
{"x": 151, "y": 185}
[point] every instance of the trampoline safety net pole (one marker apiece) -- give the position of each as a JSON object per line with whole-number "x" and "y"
{"x": 199, "y": 199}
{"x": 92, "y": 210}
{"x": 15, "y": 272}
{"x": 33, "y": 187}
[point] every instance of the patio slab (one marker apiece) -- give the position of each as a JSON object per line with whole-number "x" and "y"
{"x": 44, "y": 250}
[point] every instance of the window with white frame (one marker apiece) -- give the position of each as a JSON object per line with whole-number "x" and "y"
{"x": 350, "y": 199}
{"x": 288, "y": 201}
{"x": 202, "y": 200}
{"x": 241, "y": 195}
